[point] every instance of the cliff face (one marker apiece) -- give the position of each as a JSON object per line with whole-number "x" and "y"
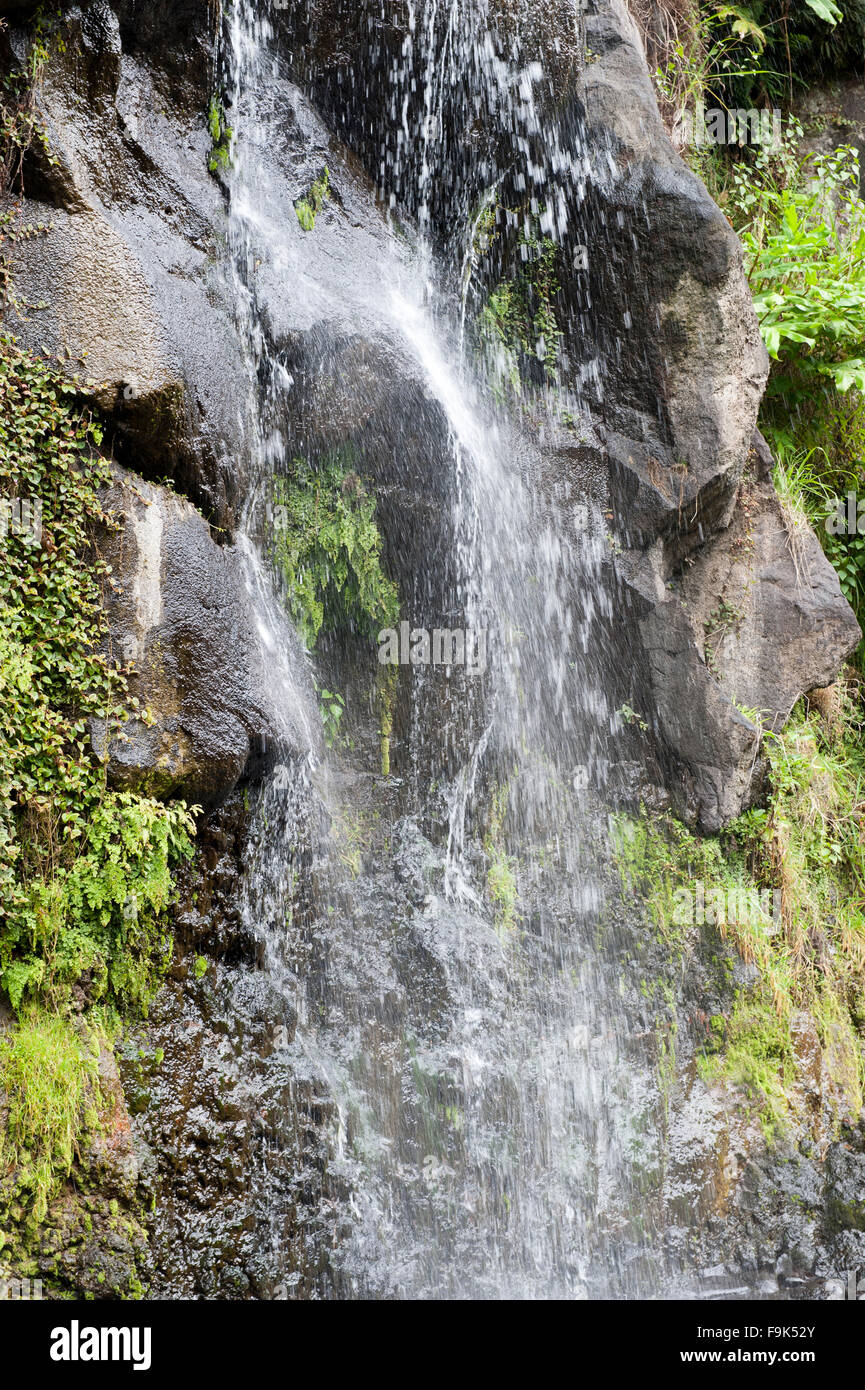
{"x": 135, "y": 273}
{"x": 160, "y": 314}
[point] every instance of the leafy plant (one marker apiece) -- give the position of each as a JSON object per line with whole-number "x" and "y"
{"x": 85, "y": 871}
{"x": 630, "y": 716}
{"x": 332, "y": 707}
{"x": 802, "y": 224}
{"x": 72, "y": 852}
{"x": 221, "y": 134}
{"x": 716, "y": 48}
{"x": 309, "y": 206}
{"x": 328, "y": 548}
{"x": 802, "y": 227}
{"x": 749, "y": 56}
{"x": 518, "y": 323}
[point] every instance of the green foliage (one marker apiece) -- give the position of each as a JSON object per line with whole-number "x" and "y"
{"x": 717, "y": 48}
{"x": 308, "y": 207}
{"x": 84, "y": 871}
{"x": 328, "y": 548}
{"x": 331, "y": 707}
{"x": 755, "y": 55}
{"x": 518, "y": 322}
{"x": 807, "y": 846}
{"x": 48, "y": 1071}
{"x": 630, "y": 716}
{"x": 802, "y": 227}
{"x": 221, "y": 133}
{"x": 96, "y": 919}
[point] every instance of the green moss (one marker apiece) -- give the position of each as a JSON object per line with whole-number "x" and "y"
{"x": 756, "y": 1056}
{"x": 219, "y": 159}
{"x": 47, "y": 1072}
{"x": 309, "y": 206}
{"x": 806, "y": 848}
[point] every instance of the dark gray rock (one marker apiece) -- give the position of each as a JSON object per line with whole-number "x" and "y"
{"x": 766, "y": 603}
{"x": 132, "y": 271}
{"x": 181, "y": 616}
{"x": 725, "y": 611}
{"x": 662, "y": 353}
{"x": 731, "y": 638}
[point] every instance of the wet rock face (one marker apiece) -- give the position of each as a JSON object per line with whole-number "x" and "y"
{"x": 134, "y": 274}
{"x": 778, "y": 619}
{"x": 181, "y": 617}
{"x": 739, "y": 1217}
{"x": 661, "y": 346}
{"x": 132, "y": 270}
{"x": 720, "y": 606}
{"x": 732, "y": 636}
{"x": 684, "y": 370}
{"x": 683, "y": 365}
{"x": 228, "y": 1127}
{"x": 834, "y": 114}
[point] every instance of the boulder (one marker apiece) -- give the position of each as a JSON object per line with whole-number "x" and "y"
{"x": 214, "y": 685}
{"x": 766, "y": 605}
{"x": 722, "y": 613}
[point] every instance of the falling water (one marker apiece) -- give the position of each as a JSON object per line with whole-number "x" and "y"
{"x": 470, "y": 1049}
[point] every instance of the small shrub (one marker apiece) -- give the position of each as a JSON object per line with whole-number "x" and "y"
{"x": 328, "y": 549}
{"x": 308, "y": 207}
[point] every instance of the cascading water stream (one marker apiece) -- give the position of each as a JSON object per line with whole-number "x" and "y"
{"x": 471, "y": 1045}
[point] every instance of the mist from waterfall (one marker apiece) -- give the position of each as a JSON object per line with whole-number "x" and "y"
{"x": 492, "y": 1118}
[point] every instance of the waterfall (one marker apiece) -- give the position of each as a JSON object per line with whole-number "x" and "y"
{"x": 446, "y": 936}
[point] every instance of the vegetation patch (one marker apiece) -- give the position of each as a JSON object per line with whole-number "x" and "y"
{"x": 328, "y": 549}
{"x": 85, "y": 871}
{"x": 310, "y": 205}
{"x": 748, "y": 56}
{"x": 48, "y": 1070}
{"x": 799, "y": 866}
{"x": 221, "y": 133}
{"x": 518, "y": 323}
